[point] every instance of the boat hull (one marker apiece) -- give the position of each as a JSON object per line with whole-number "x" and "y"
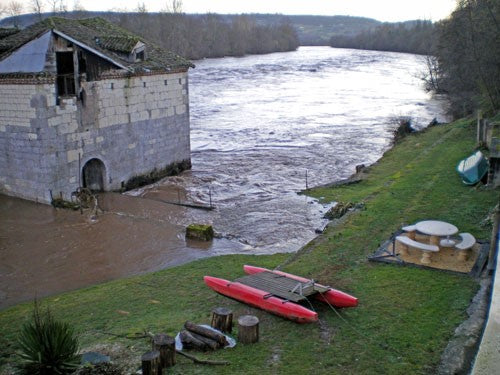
{"x": 473, "y": 168}
{"x": 261, "y": 299}
{"x": 334, "y": 297}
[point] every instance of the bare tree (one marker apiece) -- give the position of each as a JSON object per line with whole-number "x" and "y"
{"x": 3, "y": 10}
{"x": 37, "y": 8}
{"x": 141, "y": 8}
{"x": 173, "y": 6}
{"x": 14, "y": 10}
{"x": 58, "y": 6}
{"x": 77, "y": 6}
{"x": 62, "y": 6}
{"x": 53, "y": 5}
{"x": 431, "y": 76}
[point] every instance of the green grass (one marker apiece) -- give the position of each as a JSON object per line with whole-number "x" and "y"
{"x": 405, "y": 317}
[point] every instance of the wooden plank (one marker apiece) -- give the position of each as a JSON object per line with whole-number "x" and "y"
{"x": 281, "y": 286}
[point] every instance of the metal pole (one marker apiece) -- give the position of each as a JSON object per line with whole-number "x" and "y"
{"x": 307, "y": 187}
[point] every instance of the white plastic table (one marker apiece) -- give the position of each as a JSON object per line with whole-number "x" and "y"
{"x": 436, "y": 229}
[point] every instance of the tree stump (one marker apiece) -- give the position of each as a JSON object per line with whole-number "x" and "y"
{"x": 151, "y": 363}
{"x": 248, "y": 329}
{"x": 222, "y": 319}
{"x": 166, "y": 346}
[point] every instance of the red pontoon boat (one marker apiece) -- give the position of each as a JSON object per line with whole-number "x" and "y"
{"x": 279, "y": 293}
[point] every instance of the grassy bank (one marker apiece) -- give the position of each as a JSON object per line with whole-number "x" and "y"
{"x": 405, "y": 317}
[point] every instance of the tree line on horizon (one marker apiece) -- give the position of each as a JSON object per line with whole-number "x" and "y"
{"x": 462, "y": 53}
{"x": 409, "y": 37}
{"x": 211, "y": 35}
{"x": 189, "y": 35}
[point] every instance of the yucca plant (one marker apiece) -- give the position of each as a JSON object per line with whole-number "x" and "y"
{"x": 47, "y": 346}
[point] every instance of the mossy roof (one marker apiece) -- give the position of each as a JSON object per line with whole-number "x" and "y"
{"x": 7, "y": 31}
{"x": 102, "y": 36}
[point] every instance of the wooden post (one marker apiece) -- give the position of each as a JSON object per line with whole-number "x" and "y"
{"x": 248, "y": 329}
{"x": 151, "y": 363}
{"x": 166, "y": 346}
{"x": 478, "y": 138}
{"x": 222, "y": 319}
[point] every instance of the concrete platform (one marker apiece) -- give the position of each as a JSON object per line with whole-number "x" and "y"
{"x": 487, "y": 361}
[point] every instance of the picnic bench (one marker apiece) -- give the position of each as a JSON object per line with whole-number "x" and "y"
{"x": 411, "y": 230}
{"x": 427, "y": 249}
{"x": 465, "y": 244}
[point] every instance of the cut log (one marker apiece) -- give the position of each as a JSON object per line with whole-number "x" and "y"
{"x": 222, "y": 319}
{"x": 191, "y": 342}
{"x": 211, "y": 344}
{"x": 248, "y": 329}
{"x": 151, "y": 363}
{"x": 166, "y": 346}
{"x": 216, "y": 336}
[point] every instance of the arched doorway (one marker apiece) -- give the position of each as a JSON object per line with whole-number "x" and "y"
{"x": 93, "y": 174}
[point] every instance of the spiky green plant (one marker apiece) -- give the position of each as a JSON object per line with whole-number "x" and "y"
{"x": 47, "y": 346}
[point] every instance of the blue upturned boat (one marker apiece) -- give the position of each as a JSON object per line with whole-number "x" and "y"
{"x": 473, "y": 168}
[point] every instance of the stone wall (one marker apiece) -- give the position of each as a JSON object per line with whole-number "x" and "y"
{"x": 133, "y": 125}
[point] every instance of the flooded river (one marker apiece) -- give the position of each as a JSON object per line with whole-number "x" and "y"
{"x": 262, "y": 128}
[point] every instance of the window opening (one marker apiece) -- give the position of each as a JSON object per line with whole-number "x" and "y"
{"x": 65, "y": 74}
{"x": 139, "y": 56}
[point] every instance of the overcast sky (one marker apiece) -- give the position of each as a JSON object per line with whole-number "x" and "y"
{"x": 382, "y": 10}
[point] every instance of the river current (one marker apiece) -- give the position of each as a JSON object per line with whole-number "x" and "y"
{"x": 262, "y": 129}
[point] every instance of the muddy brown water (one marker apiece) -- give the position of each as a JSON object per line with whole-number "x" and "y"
{"x": 44, "y": 250}
{"x": 259, "y": 125}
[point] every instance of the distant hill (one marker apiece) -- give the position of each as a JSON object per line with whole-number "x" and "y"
{"x": 311, "y": 30}
{"x": 318, "y": 30}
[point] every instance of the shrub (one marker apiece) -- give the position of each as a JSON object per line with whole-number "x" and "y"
{"x": 47, "y": 346}
{"x": 403, "y": 128}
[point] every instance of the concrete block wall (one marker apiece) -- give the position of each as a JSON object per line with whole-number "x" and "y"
{"x": 133, "y": 125}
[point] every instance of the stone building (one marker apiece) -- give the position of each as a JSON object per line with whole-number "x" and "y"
{"x": 85, "y": 103}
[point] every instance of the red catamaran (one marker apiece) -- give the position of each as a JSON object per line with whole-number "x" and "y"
{"x": 279, "y": 293}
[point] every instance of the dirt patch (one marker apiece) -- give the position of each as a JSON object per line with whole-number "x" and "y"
{"x": 127, "y": 358}
{"x": 326, "y": 332}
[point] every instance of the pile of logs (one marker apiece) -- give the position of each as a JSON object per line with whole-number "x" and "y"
{"x": 195, "y": 336}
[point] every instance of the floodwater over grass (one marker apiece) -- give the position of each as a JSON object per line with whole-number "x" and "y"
{"x": 260, "y": 124}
